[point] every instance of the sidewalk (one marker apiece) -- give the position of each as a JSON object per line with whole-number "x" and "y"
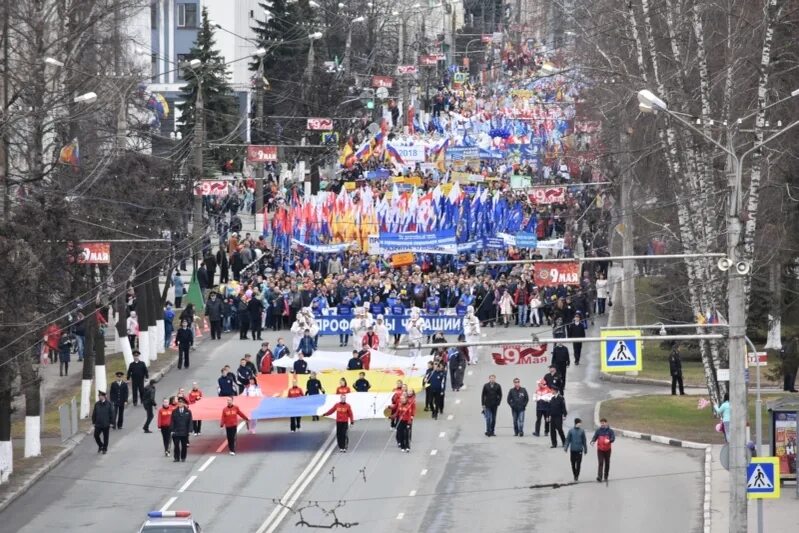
{"x": 778, "y": 515}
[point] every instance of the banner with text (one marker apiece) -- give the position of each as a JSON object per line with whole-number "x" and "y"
{"x": 547, "y": 195}
{"x": 438, "y": 242}
{"x": 396, "y": 324}
{"x": 517, "y": 354}
{"x": 552, "y": 274}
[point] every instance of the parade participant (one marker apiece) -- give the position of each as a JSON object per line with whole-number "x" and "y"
{"x": 381, "y": 330}
{"x": 306, "y": 346}
{"x": 311, "y": 324}
{"x": 365, "y": 356}
{"x": 604, "y": 437}
{"x": 102, "y": 419}
{"x": 313, "y": 387}
{"x": 298, "y": 329}
{"x": 184, "y": 338}
{"x": 343, "y": 415}
{"x": 195, "y": 395}
{"x": 264, "y": 358}
{"x": 230, "y": 419}
{"x": 438, "y": 388}
{"x": 165, "y": 424}
{"x": 543, "y": 395}
{"x": 490, "y": 398}
{"x": 471, "y": 327}
{"x": 148, "y": 401}
{"x": 213, "y": 312}
{"x": 517, "y": 400}
{"x": 355, "y": 362}
{"x": 253, "y": 390}
{"x": 458, "y": 358}
{"x": 180, "y": 426}
{"x": 243, "y": 374}
{"x": 226, "y": 383}
{"x": 405, "y": 412}
{"x": 399, "y": 390}
{"x": 250, "y": 364}
{"x": 343, "y": 388}
{"x": 370, "y": 341}
{"x": 576, "y": 330}
{"x": 557, "y": 412}
{"x": 300, "y": 365}
{"x": 361, "y": 384}
{"x": 428, "y": 395}
{"x": 359, "y": 326}
{"x": 415, "y": 332}
{"x": 576, "y": 442}
{"x": 561, "y": 361}
{"x": 295, "y": 392}
{"x": 281, "y": 350}
{"x": 119, "y": 399}
{"x": 137, "y": 373}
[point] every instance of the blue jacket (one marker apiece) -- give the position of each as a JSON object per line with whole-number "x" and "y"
{"x": 604, "y": 431}
{"x": 226, "y": 386}
{"x": 575, "y": 439}
{"x": 306, "y": 346}
{"x": 438, "y": 381}
{"x": 279, "y": 351}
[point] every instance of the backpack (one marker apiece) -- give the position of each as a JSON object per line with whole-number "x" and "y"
{"x": 603, "y": 443}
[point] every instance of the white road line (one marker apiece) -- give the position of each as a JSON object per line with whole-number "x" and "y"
{"x": 469, "y": 373}
{"x": 207, "y": 463}
{"x": 424, "y": 472}
{"x": 400, "y": 516}
{"x": 450, "y": 417}
{"x": 272, "y": 521}
{"x": 442, "y": 434}
{"x": 168, "y": 503}
{"x": 412, "y": 493}
{"x": 433, "y": 452}
{"x": 458, "y": 400}
{"x": 186, "y": 485}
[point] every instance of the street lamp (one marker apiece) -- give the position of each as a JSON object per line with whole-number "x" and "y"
{"x": 86, "y": 98}
{"x": 736, "y": 303}
{"x": 348, "y": 45}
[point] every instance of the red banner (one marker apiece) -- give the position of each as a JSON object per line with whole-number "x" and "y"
{"x": 320, "y": 124}
{"x": 386, "y": 82}
{"x": 92, "y": 253}
{"x": 552, "y": 274}
{"x": 211, "y": 188}
{"x": 430, "y": 60}
{"x": 517, "y": 354}
{"x": 547, "y": 195}
{"x": 261, "y": 154}
{"x": 407, "y": 69}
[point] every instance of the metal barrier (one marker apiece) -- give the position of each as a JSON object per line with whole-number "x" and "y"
{"x": 68, "y": 419}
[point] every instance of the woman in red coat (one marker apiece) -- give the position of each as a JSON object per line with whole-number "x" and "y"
{"x": 51, "y": 337}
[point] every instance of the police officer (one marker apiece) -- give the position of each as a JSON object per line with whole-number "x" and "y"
{"x": 119, "y": 399}
{"x": 557, "y": 412}
{"x": 137, "y": 373}
{"x": 561, "y": 361}
{"x": 180, "y": 427}
{"x": 102, "y": 417}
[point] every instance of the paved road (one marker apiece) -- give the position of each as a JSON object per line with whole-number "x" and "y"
{"x": 454, "y": 479}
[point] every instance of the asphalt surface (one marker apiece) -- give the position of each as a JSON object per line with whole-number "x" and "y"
{"x": 455, "y": 478}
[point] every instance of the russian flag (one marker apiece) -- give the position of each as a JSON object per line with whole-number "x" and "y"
{"x": 394, "y": 154}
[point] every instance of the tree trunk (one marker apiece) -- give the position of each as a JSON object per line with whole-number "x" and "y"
{"x": 31, "y": 385}
{"x": 628, "y": 266}
{"x": 6, "y": 450}
{"x": 157, "y": 315}
{"x": 143, "y": 311}
{"x": 88, "y": 367}
{"x": 774, "y": 338}
{"x": 122, "y": 330}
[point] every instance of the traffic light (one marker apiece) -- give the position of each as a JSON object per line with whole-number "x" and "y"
{"x": 367, "y": 97}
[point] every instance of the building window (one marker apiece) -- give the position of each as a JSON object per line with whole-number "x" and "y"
{"x": 154, "y": 66}
{"x": 187, "y": 15}
{"x": 153, "y": 16}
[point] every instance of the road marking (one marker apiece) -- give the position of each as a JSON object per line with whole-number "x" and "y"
{"x": 469, "y": 373}
{"x": 412, "y": 493}
{"x": 433, "y": 452}
{"x": 293, "y": 493}
{"x": 168, "y": 503}
{"x": 186, "y": 485}
{"x": 424, "y": 472}
{"x": 207, "y": 463}
{"x": 458, "y": 400}
{"x": 400, "y": 516}
{"x": 224, "y": 443}
{"x": 441, "y": 435}
{"x": 450, "y": 417}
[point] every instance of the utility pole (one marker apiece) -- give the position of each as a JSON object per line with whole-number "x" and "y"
{"x": 199, "y": 137}
{"x": 453, "y": 37}
{"x": 4, "y": 145}
{"x": 259, "y": 125}
{"x": 628, "y": 266}
{"x": 402, "y": 81}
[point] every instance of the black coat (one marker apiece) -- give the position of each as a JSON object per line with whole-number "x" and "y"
{"x": 675, "y": 363}
{"x": 102, "y": 415}
{"x": 202, "y": 278}
{"x": 575, "y": 330}
{"x": 518, "y": 398}
{"x": 148, "y": 397}
{"x": 554, "y": 382}
{"x": 118, "y": 394}
{"x": 560, "y": 357}
{"x": 300, "y": 366}
{"x": 213, "y": 310}
{"x": 255, "y": 307}
{"x": 184, "y": 337}
{"x": 181, "y": 423}
{"x": 138, "y": 371}
{"x": 492, "y": 395}
{"x": 557, "y": 408}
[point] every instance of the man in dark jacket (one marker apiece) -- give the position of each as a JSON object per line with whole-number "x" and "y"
{"x": 227, "y": 383}
{"x": 243, "y": 375}
{"x": 137, "y": 373}
{"x": 148, "y": 401}
{"x": 557, "y": 412}
{"x": 604, "y": 437}
{"x": 300, "y": 365}
{"x": 561, "y": 361}
{"x": 255, "y": 308}
{"x": 438, "y": 387}
{"x": 184, "y": 339}
{"x": 307, "y": 345}
{"x": 203, "y": 280}
{"x": 213, "y": 312}
{"x": 675, "y": 369}
{"x": 518, "y": 399}
{"x": 490, "y": 399}
{"x": 355, "y": 362}
{"x": 576, "y": 330}
{"x": 180, "y": 426}
{"x": 428, "y": 395}
{"x": 553, "y": 379}
{"x": 102, "y": 416}
{"x": 119, "y": 399}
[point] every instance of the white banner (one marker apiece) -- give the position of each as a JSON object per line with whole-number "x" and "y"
{"x": 328, "y": 360}
{"x": 552, "y": 244}
{"x": 413, "y": 153}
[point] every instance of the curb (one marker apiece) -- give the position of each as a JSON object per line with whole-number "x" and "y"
{"x": 632, "y": 380}
{"x": 72, "y": 443}
{"x": 708, "y": 463}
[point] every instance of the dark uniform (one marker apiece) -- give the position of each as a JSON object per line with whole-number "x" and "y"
{"x": 102, "y": 416}
{"x": 119, "y": 397}
{"x": 557, "y": 411}
{"x": 180, "y": 427}
{"x": 561, "y": 361}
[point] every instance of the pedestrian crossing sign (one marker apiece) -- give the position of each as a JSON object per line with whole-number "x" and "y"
{"x": 762, "y": 478}
{"x": 622, "y": 351}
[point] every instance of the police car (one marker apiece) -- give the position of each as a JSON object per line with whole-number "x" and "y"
{"x": 170, "y": 522}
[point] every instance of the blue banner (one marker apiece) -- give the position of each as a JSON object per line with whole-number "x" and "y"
{"x": 336, "y": 325}
{"x": 459, "y": 154}
{"x": 494, "y": 243}
{"x": 526, "y": 240}
{"x": 439, "y": 242}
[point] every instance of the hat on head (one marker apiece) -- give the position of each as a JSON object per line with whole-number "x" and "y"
{"x": 577, "y": 420}
{"x": 119, "y": 374}
{"x": 101, "y": 393}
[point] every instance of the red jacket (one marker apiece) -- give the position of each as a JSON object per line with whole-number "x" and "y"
{"x": 405, "y": 413}
{"x": 195, "y": 395}
{"x": 165, "y": 416}
{"x": 230, "y": 416}
{"x": 343, "y": 412}
{"x": 295, "y": 392}
{"x": 343, "y": 390}
{"x": 371, "y": 341}
{"x": 266, "y": 363}
{"x": 366, "y": 358}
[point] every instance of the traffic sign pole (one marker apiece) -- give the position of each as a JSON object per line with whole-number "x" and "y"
{"x": 759, "y": 429}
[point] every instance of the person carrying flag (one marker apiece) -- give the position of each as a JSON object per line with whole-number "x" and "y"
{"x": 343, "y": 415}
{"x": 229, "y": 421}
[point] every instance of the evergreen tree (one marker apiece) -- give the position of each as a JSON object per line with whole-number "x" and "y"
{"x": 221, "y": 109}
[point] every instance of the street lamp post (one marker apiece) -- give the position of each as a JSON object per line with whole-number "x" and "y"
{"x": 348, "y": 45}
{"x": 736, "y": 302}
